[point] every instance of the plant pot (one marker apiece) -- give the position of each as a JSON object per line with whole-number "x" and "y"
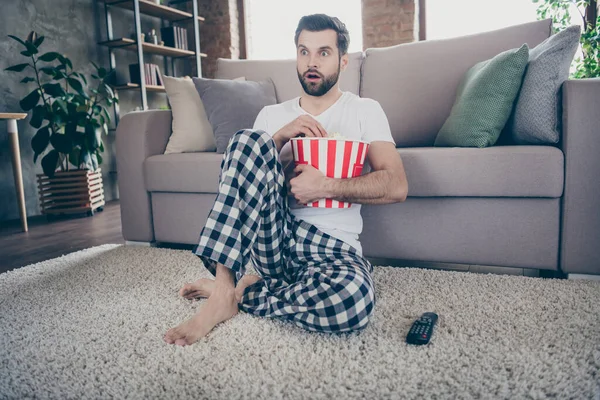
{"x": 71, "y": 192}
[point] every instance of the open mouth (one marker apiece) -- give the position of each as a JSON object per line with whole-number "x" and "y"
{"x": 312, "y": 77}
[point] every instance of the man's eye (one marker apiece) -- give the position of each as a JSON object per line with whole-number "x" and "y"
{"x": 324, "y": 53}
{"x": 303, "y": 52}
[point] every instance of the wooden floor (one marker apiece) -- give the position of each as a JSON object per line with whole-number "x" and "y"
{"x": 46, "y": 240}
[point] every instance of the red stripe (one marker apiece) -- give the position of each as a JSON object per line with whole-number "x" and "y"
{"x": 360, "y": 153}
{"x": 346, "y": 163}
{"x": 314, "y": 153}
{"x": 331, "y": 157}
{"x": 300, "y": 144}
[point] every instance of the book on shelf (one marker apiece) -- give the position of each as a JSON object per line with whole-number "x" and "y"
{"x": 151, "y": 71}
{"x": 174, "y": 36}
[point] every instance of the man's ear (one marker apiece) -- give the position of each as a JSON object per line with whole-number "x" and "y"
{"x": 344, "y": 62}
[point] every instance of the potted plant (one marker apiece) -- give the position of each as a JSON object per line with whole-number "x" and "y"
{"x": 70, "y": 117}
{"x": 560, "y": 12}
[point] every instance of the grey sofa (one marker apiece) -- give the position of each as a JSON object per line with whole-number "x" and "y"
{"x": 515, "y": 206}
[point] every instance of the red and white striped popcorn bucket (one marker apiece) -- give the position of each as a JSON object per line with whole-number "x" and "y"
{"x": 334, "y": 157}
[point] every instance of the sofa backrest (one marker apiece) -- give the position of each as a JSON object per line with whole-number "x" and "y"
{"x": 416, "y": 83}
{"x": 284, "y": 75}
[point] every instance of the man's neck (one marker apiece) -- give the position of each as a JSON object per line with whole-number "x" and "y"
{"x": 316, "y": 105}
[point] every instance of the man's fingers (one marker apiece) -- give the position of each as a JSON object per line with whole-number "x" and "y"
{"x": 322, "y": 130}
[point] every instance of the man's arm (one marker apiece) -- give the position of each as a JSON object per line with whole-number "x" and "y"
{"x": 386, "y": 183}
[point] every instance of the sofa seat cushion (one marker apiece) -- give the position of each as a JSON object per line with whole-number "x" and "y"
{"x": 498, "y": 171}
{"x": 184, "y": 172}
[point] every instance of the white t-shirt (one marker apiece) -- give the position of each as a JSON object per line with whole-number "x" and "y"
{"x": 354, "y": 118}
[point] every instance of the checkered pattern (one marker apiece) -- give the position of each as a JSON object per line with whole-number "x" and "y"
{"x": 316, "y": 281}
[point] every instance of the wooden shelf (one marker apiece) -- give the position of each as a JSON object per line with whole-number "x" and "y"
{"x": 130, "y": 45}
{"x": 156, "y": 10}
{"x": 131, "y": 86}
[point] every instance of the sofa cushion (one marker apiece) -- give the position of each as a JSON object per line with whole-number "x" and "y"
{"x": 416, "y": 83}
{"x": 183, "y": 172}
{"x": 191, "y": 130}
{"x": 284, "y": 75}
{"x": 536, "y": 114}
{"x": 484, "y": 101}
{"x": 499, "y": 171}
{"x": 233, "y": 105}
{"x": 507, "y": 171}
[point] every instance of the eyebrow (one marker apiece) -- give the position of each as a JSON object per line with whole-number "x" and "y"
{"x": 320, "y": 48}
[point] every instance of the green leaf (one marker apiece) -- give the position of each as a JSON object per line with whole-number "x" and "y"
{"x": 38, "y": 41}
{"x": 75, "y": 84}
{"x": 92, "y": 137}
{"x": 53, "y": 89}
{"x": 101, "y": 72}
{"x": 99, "y": 157}
{"x": 39, "y": 113}
{"x": 27, "y": 79}
{"x": 74, "y": 156}
{"x": 17, "y": 68}
{"x": 30, "y": 100}
{"x": 50, "y": 56}
{"x": 59, "y": 75}
{"x": 50, "y": 163}
{"x": 101, "y": 147}
{"x": 65, "y": 60}
{"x": 40, "y": 141}
{"x": 61, "y": 142}
{"x": 17, "y": 39}
{"x": 31, "y": 48}
{"x": 48, "y": 70}
{"x": 26, "y": 53}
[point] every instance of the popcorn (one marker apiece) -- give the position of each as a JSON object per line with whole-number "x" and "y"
{"x": 336, "y": 135}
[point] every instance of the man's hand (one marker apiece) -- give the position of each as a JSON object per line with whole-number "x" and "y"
{"x": 307, "y": 186}
{"x": 303, "y": 125}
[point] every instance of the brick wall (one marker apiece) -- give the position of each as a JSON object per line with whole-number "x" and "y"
{"x": 389, "y": 22}
{"x": 219, "y": 33}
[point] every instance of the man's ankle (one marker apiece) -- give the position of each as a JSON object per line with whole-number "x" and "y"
{"x": 224, "y": 278}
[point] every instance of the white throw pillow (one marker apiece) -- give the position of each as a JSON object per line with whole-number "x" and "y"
{"x": 191, "y": 131}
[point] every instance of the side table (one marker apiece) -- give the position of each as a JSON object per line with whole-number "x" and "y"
{"x": 13, "y": 132}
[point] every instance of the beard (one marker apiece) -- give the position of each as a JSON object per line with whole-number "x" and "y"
{"x": 322, "y": 87}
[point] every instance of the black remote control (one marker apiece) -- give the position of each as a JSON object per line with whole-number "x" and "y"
{"x": 422, "y": 329}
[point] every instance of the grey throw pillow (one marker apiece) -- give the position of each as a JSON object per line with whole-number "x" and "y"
{"x": 537, "y": 112}
{"x": 233, "y": 105}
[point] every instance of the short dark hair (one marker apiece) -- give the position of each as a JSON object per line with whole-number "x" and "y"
{"x": 321, "y": 22}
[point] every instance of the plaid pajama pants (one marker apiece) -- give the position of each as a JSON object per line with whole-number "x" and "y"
{"x": 316, "y": 281}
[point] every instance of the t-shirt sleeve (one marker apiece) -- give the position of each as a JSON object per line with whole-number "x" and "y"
{"x": 375, "y": 125}
{"x": 262, "y": 121}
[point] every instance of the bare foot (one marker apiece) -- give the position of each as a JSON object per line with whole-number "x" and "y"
{"x": 220, "y": 306}
{"x": 204, "y": 287}
{"x": 201, "y": 288}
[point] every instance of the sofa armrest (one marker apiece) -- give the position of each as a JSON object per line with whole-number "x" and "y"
{"x": 580, "y": 252}
{"x": 140, "y": 135}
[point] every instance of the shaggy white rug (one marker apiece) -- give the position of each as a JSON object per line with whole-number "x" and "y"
{"x": 90, "y": 325}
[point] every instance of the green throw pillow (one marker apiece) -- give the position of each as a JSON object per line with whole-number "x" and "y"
{"x": 484, "y": 100}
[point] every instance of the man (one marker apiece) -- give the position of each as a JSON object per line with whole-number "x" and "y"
{"x": 309, "y": 260}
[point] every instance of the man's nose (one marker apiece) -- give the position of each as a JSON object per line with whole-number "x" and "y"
{"x": 313, "y": 62}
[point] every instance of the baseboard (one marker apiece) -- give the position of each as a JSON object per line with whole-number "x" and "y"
{"x": 145, "y": 244}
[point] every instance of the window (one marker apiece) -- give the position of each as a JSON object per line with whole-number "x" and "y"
{"x": 271, "y": 24}
{"x": 446, "y": 19}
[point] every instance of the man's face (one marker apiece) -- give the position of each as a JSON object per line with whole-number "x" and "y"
{"x": 318, "y": 61}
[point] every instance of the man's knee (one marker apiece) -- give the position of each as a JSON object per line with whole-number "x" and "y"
{"x": 250, "y": 137}
{"x": 354, "y": 307}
